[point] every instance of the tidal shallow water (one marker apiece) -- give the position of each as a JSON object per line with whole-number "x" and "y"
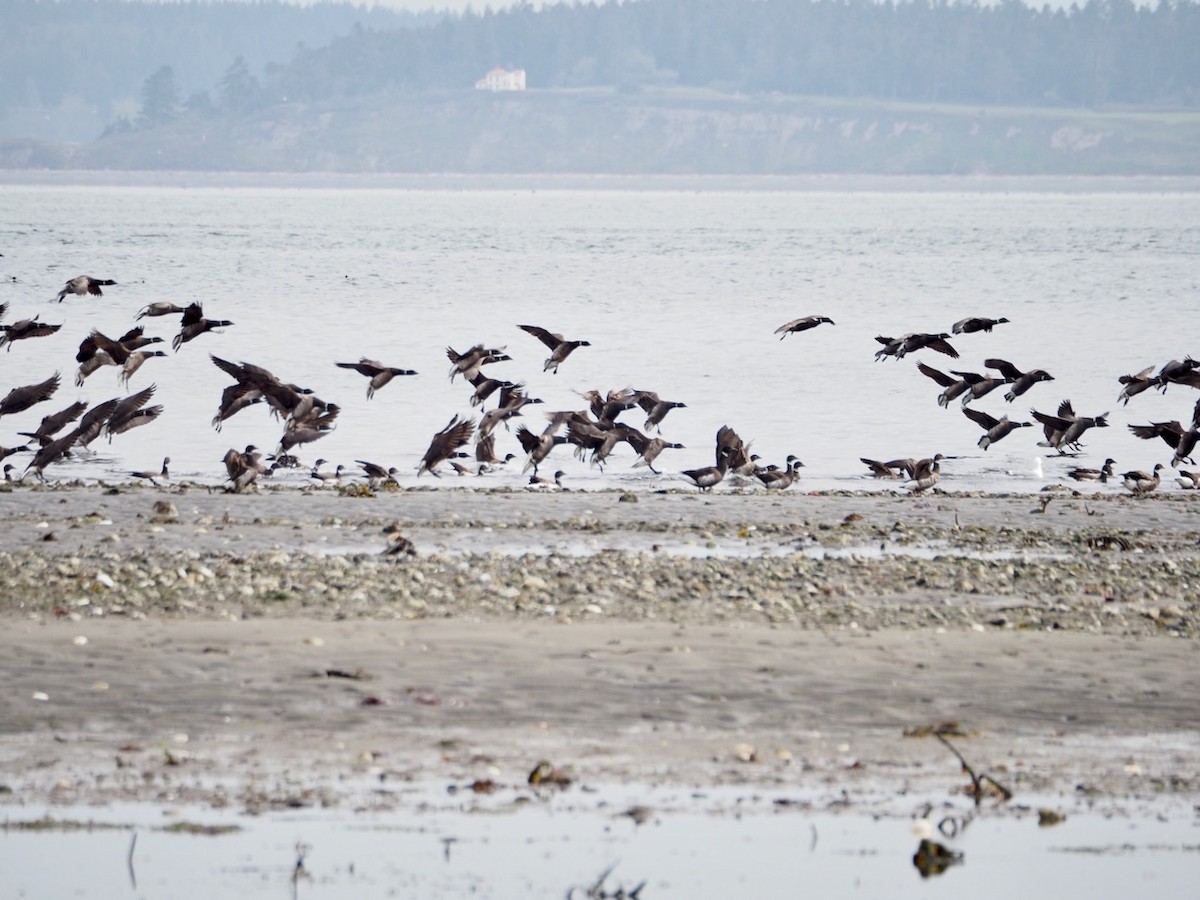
{"x": 679, "y": 291}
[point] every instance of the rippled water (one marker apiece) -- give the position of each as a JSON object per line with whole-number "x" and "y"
{"x": 678, "y": 292}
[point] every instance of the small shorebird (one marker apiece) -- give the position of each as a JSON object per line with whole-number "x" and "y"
{"x": 84, "y": 285}
{"x": 153, "y": 477}
{"x": 802, "y": 324}
{"x": 560, "y": 347}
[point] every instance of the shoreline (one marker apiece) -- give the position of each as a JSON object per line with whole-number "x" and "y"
{"x": 645, "y": 642}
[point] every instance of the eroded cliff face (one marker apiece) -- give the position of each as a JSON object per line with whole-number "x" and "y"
{"x": 643, "y": 133}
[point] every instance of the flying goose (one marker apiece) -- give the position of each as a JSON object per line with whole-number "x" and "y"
{"x": 648, "y": 449}
{"x": 84, "y": 285}
{"x": 20, "y": 399}
{"x": 925, "y": 474}
{"x": 456, "y": 434}
{"x": 954, "y": 387}
{"x": 243, "y": 468}
{"x": 132, "y": 412}
{"x": 377, "y": 474}
{"x": 1139, "y": 483}
{"x": 1176, "y": 372}
{"x": 972, "y": 324}
{"x": 1136, "y": 383}
{"x": 134, "y": 362}
{"x": 1101, "y": 475}
{"x": 1021, "y": 381}
{"x": 802, "y": 324}
{"x": 538, "y": 446}
{"x": 193, "y": 324}
{"x": 1064, "y": 430}
{"x": 656, "y": 408}
{"x": 6, "y": 452}
{"x": 468, "y": 364}
{"x": 153, "y": 477}
{"x": 376, "y": 371}
{"x": 908, "y": 343}
{"x": 53, "y": 424}
{"x": 161, "y": 308}
{"x": 560, "y": 347}
{"x": 896, "y": 468}
{"x": 994, "y": 429}
{"x": 51, "y": 453}
{"x": 1181, "y": 441}
{"x": 24, "y": 329}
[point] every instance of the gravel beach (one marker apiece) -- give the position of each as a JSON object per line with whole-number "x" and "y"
{"x": 259, "y": 650}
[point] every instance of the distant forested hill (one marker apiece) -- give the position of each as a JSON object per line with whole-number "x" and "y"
{"x": 752, "y": 86}
{"x": 69, "y": 68}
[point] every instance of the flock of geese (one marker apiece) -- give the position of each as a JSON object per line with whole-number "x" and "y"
{"x": 591, "y": 433}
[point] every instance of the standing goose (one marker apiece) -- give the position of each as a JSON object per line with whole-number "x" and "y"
{"x": 781, "y": 479}
{"x": 84, "y": 285}
{"x": 326, "y": 477}
{"x": 802, "y": 324}
{"x": 705, "y": 478}
{"x": 1101, "y": 475}
{"x": 1139, "y": 483}
{"x": 376, "y": 371}
{"x": 560, "y": 347}
{"x": 153, "y": 477}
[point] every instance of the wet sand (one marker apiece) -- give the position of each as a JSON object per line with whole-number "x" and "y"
{"x": 764, "y": 648}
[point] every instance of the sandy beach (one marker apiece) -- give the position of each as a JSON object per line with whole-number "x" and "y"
{"x": 254, "y": 651}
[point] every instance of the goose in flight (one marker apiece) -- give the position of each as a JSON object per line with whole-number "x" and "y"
{"x": 84, "y": 285}
{"x": 560, "y": 347}
{"x": 802, "y": 324}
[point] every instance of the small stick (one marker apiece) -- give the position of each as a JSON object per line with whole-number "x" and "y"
{"x": 976, "y": 780}
{"x": 129, "y": 861}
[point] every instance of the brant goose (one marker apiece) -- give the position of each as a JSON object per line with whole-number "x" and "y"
{"x": 24, "y": 329}
{"x": 781, "y": 479}
{"x": 656, "y": 408}
{"x": 153, "y": 477}
{"x": 1066, "y": 428}
{"x": 468, "y": 364}
{"x": 560, "y": 347}
{"x": 1101, "y": 475}
{"x": 995, "y": 429}
{"x": 376, "y": 371}
{"x": 1139, "y": 483}
{"x": 193, "y": 324}
{"x": 20, "y": 399}
{"x": 972, "y": 324}
{"x": 1135, "y": 384}
{"x": 52, "y": 425}
{"x": 377, "y": 474}
{"x": 802, "y": 324}
{"x": 1021, "y": 381}
{"x": 444, "y": 444}
{"x": 84, "y": 285}
{"x": 1181, "y": 441}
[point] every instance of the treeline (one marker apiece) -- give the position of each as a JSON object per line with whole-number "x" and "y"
{"x": 70, "y": 63}
{"x": 68, "y": 67}
{"x": 1105, "y": 52}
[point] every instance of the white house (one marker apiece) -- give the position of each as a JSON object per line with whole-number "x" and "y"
{"x": 502, "y": 80}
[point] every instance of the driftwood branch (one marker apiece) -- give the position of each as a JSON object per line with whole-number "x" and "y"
{"x": 977, "y": 780}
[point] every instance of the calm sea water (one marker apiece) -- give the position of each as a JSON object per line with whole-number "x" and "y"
{"x": 678, "y": 291}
